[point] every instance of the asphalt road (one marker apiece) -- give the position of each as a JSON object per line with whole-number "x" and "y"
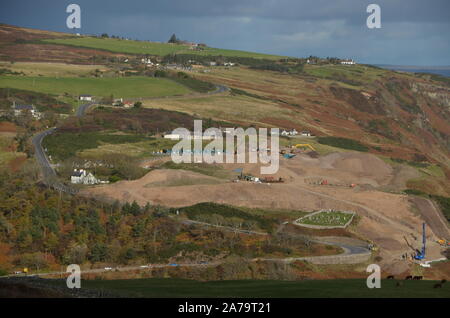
{"x": 41, "y": 157}
{"x": 220, "y": 89}
{"x": 48, "y": 171}
{"x": 81, "y": 111}
{"x": 358, "y": 247}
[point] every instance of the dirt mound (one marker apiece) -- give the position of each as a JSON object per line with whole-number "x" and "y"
{"x": 164, "y": 178}
{"x": 360, "y": 163}
{"x": 172, "y": 178}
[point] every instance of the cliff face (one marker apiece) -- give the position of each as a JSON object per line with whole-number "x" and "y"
{"x": 406, "y": 111}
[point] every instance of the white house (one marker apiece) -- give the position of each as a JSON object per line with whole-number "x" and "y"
{"x": 146, "y": 61}
{"x": 348, "y": 62}
{"x": 86, "y": 97}
{"x": 172, "y": 137}
{"x": 83, "y": 177}
{"x": 191, "y": 137}
{"x": 21, "y": 109}
{"x": 306, "y": 133}
{"x": 292, "y": 132}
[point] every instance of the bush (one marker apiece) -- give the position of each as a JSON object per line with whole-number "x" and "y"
{"x": 114, "y": 178}
{"x": 343, "y": 143}
{"x": 227, "y": 212}
{"x": 65, "y": 145}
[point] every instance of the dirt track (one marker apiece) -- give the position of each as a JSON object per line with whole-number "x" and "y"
{"x": 432, "y": 216}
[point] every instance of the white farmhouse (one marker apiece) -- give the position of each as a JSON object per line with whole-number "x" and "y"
{"x": 172, "y": 136}
{"x": 292, "y": 132}
{"x": 348, "y": 62}
{"x": 83, "y": 177}
{"x": 86, "y": 97}
{"x": 22, "y": 109}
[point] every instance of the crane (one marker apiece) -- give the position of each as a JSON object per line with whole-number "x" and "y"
{"x": 421, "y": 254}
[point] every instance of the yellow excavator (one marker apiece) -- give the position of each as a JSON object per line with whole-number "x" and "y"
{"x": 305, "y": 146}
{"x": 443, "y": 242}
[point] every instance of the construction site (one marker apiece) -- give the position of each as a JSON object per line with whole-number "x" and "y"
{"x": 390, "y": 222}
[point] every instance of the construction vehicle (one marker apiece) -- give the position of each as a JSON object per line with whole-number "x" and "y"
{"x": 443, "y": 242}
{"x": 372, "y": 247}
{"x": 420, "y": 255}
{"x": 288, "y": 155}
{"x": 272, "y": 180}
{"x": 305, "y": 146}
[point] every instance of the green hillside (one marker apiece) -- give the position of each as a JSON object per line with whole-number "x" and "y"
{"x": 127, "y": 87}
{"x": 152, "y": 48}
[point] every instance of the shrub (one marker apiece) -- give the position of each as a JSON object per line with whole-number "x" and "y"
{"x": 343, "y": 143}
{"x": 228, "y": 212}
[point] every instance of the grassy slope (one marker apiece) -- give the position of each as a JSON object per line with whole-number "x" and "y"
{"x": 260, "y": 288}
{"x": 6, "y": 155}
{"x": 128, "y": 87}
{"x": 51, "y": 69}
{"x": 63, "y": 146}
{"x": 153, "y": 48}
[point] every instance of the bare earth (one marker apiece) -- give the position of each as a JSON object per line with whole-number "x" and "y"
{"x": 389, "y": 220}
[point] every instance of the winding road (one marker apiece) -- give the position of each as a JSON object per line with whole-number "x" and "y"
{"x": 49, "y": 174}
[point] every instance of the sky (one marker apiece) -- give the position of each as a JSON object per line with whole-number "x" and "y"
{"x": 413, "y": 32}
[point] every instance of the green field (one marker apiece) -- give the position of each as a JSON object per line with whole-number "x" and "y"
{"x": 339, "y": 288}
{"x": 63, "y": 146}
{"x": 344, "y": 143}
{"x": 153, "y": 48}
{"x": 127, "y": 87}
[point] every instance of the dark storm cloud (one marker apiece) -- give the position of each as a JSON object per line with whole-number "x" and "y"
{"x": 350, "y": 10}
{"x": 413, "y": 31}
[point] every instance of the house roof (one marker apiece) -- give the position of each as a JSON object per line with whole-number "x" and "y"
{"x": 85, "y": 95}
{"x": 77, "y": 173}
{"x": 23, "y": 107}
